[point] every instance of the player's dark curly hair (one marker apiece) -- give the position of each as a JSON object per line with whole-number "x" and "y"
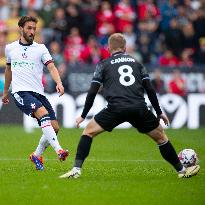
{"x": 25, "y": 19}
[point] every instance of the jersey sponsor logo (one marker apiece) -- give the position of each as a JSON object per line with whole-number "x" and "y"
{"x": 122, "y": 59}
{"x": 18, "y": 98}
{"x": 22, "y": 64}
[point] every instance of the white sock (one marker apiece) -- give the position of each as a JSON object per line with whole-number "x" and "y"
{"x": 43, "y": 144}
{"x": 49, "y": 133}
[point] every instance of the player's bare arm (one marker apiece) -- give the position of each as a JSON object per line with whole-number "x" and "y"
{"x": 8, "y": 79}
{"x": 56, "y": 77}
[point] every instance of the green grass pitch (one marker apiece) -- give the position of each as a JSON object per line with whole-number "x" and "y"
{"x": 123, "y": 168}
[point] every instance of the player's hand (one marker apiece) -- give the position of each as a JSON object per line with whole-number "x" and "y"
{"x": 164, "y": 118}
{"x": 60, "y": 89}
{"x": 5, "y": 98}
{"x": 78, "y": 121}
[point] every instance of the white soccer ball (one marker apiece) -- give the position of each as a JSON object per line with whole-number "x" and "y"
{"x": 188, "y": 157}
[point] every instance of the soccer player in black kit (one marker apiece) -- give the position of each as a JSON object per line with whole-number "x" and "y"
{"x": 124, "y": 81}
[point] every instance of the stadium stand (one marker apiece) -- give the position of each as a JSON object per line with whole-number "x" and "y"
{"x": 159, "y": 33}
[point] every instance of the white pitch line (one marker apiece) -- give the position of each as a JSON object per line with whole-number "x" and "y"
{"x": 91, "y": 160}
{"x": 123, "y": 160}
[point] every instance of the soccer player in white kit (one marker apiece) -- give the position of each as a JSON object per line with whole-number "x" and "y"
{"x": 24, "y": 70}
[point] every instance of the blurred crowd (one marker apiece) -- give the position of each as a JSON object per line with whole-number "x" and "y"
{"x": 158, "y": 32}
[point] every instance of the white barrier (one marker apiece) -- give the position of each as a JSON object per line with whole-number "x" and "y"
{"x": 184, "y": 112}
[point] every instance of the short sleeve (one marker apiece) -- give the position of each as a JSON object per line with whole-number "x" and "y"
{"x": 98, "y": 74}
{"x": 46, "y": 56}
{"x": 143, "y": 72}
{"x": 8, "y": 58}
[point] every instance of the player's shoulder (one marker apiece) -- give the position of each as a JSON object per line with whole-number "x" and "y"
{"x": 12, "y": 45}
{"x": 39, "y": 45}
{"x": 103, "y": 62}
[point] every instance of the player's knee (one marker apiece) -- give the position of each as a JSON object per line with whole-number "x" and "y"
{"x": 158, "y": 135}
{"x": 40, "y": 112}
{"x": 161, "y": 136}
{"x": 91, "y": 129}
{"x": 159, "y": 129}
{"x": 89, "y": 132}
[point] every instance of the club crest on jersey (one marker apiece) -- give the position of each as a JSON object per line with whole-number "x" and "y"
{"x": 24, "y": 55}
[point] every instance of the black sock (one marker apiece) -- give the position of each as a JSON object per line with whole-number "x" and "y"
{"x": 82, "y": 150}
{"x": 169, "y": 154}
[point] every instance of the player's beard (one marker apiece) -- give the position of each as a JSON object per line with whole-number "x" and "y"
{"x": 28, "y": 38}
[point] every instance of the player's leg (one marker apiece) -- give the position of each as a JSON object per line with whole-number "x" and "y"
{"x": 42, "y": 145}
{"x": 55, "y": 126}
{"x": 169, "y": 154}
{"x": 27, "y": 103}
{"x": 146, "y": 122}
{"x": 62, "y": 154}
{"x": 166, "y": 148}
{"x": 105, "y": 120}
{"x": 36, "y": 157}
{"x": 43, "y": 142}
{"x": 83, "y": 149}
{"x": 48, "y": 137}
{"x": 45, "y": 122}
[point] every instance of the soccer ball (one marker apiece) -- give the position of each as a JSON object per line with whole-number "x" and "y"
{"x": 188, "y": 157}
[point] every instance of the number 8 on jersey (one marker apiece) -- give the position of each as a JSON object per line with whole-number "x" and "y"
{"x": 125, "y": 71}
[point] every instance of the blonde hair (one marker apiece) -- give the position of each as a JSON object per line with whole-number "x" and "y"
{"x": 116, "y": 42}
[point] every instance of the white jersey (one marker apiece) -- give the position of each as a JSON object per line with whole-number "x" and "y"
{"x": 27, "y": 63}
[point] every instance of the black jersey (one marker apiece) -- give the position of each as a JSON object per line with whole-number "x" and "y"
{"x": 121, "y": 76}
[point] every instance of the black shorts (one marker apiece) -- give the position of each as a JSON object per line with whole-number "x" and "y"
{"x": 140, "y": 118}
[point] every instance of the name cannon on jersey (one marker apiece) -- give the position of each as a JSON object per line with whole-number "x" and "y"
{"x": 122, "y": 59}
